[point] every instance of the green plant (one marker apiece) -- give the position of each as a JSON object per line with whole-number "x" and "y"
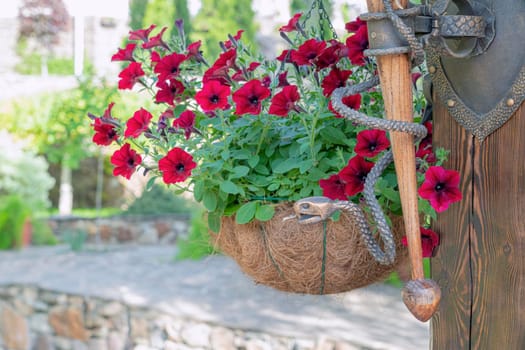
{"x": 13, "y": 214}
{"x": 158, "y": 200}
{"x": 31, "y": 64}
{"x": 42, "y": 233}
{"x": 246, "y": 131}
{"x": 197, "y": 244}
{"x": 75, "y": 238}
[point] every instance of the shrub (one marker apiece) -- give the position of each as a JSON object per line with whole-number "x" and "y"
{"x": 197, "y": 245}
{"x": 13, "y": 214}
{"x": 158, "y": 200}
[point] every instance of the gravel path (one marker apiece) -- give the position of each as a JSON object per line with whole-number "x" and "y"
{"x": 215, "y": 290}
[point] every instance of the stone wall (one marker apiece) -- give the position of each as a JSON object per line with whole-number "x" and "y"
{"x": 36, "y": 319}
{"x": 124, "y": 229}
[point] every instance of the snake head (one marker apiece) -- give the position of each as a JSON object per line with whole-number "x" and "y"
{"x": 313, "y": 209}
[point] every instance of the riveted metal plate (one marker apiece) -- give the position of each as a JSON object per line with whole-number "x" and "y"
{"x": 482, "y": 92}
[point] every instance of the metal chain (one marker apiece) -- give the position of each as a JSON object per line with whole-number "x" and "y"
{"x": 323, "y": 16}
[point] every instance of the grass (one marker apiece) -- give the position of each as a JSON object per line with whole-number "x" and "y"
{"x": 88, "y": 212}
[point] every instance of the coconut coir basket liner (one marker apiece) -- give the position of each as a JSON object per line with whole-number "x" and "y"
{"x": 322, "y": 258}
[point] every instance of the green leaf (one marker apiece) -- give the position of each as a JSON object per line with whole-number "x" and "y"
{"x": 150, "y": 183}
{"x": 305, "y": 165}
{"x": 285, "y": 166}
{"x": 274, "y": 186}
{"x": 210, "y": 200}
{"x": 240, "y": 171}
{"x": 253, "y": 161}
{"x": 246, "y": 213}
{"x": 265, "y": 212}
{"x": 232, "y": 209}
{"x": 198, "y": 191}
{"x": 229, "y": 187}
{"x": 334, "y": 135}
{"x": 214, "y": 222}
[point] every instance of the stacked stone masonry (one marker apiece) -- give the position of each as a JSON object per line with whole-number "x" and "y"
{"x": 124, "y": 229}
{"x": 36, "y": 319}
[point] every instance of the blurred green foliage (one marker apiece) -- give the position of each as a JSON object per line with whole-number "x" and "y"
{"x": 164, "y": 13}
{"x": 31, "y": 64}
{"x": 197, "y": 245}
{"x": 158, "y": 200}
{"x": 42, "y": 233}
{"x": 13, "y": 214}
{"x": 137, "y": 9}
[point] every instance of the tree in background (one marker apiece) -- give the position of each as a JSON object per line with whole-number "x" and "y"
{"x": 42, "y": 20}
{"x": 137, "y": 10}
{"x": 218, "y": 18}
{"x": 164, "y": 13}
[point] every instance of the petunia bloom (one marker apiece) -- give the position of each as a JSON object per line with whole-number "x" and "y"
{"x": 351, "y": 101}
{"x": 170, "y": 90}
{"x": 284, "y": 101}
{"x": 333, "y": 187}
{"x": 141, "y": 34}
{"x": 308, "y": 52}
{"x": 105, "y": 133}
{"x": 371, "y": 142}
{"x": 185, "y": 121}
{"x": 125, "y": 161}
{"x": 176, "y": 166}
{"x": 168, "y": 66}
{"x": 440, "y": 188}
{"x": 125, "y": 54}
{"x": 213, "y": 95}
{"x": 137, "y": 124}
{"x": 220, "y": 68}
{"x": 354, "y": 175}
{"x": 130, "y": 75}
{"x": 429, "y": 240}
{"x": 155, "y": 41}
{"x": 228, "y": 43}
{"x": 335, "y": 79}
{"x": 292, "y": 24}
{"x": 353, "y": 26}
{"x": 248, "y": 99}
{"x": 357, "y": 44}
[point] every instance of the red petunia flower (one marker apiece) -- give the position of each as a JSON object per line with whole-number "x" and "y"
{"x": 125, "y": 54}
{"x": 371, "y": 142}
{"x": 185, "y": 121}
{"x": 429, "y": 240}
{"x": 328, "y": 57}
{"x": 308, "y": 52}
{"x": 125, "y": 161}
{"x": 130, "y": 75}
{"x": 440, "y": 188}
{"x": 169, "y": 91}
{"x": 249, "y": 97}
{"x": 219, "y": 70}
{"x": 194, "y": 50}
{"x": 353, "y": 26}
{"x": 333, "y": 187}
{"x": 335, "y": 79}
{"x": 176, "y": 166}
{"x": 351, "y": 101}
{"x": 427, "y": 140}
{"x": 426, "y": 153}
{"x": 141, "y": 34}
{"x": 228, "y": 44}
{"x": 137, "y": 124}
{"x": 104, "y": 127}
{"x": 284, "y": 56}
{"x": 415, "y": 77}
{"x": 284, "y": 101}
{"x": 168, "y": 66}
{"x": 213, "y": 95}
{"x": 155, "y": 41}
{"x": 292, "y": 24}
{"x": 283, "y": 81}
{"x": 354, "y": 175}
{"x": 357, "y": 44}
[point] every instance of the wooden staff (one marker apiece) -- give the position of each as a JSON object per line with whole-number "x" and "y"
{"x": 420, "y": 295}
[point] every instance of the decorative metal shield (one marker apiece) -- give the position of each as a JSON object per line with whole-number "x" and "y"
{"x": 483, "y": 91}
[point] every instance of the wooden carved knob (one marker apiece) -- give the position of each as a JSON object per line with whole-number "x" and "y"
{"x": 422, "y": 298}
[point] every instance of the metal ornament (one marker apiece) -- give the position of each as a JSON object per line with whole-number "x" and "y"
{"x": 483, "y": 91}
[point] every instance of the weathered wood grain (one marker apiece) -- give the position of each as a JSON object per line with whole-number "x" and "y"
{"x": 480, "y": 264}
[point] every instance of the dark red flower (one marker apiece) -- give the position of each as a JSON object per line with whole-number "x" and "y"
{"x": 185, "y": 121}
{"x": 249, "y": 97}
{"x": 130, "y": 75}
{"x": 328, "y": 57}
{"x": 427, "y": 140}
{"x": 176, "y": 166}
{"x": 137, "y": 124}
{"x": 219, "y": 70}
{"x": 141, "y": 34}
{"x": 284, "y": 101}
{"x": 307, "y": 53}
{"x": 168, "y": 66}
{"x": 415, "y": 76}
{"x": 194, "y": 51}
{"x": 354, "y": 175}
{"x": 353, "y": 26}
{"x": 429, "y": 240}
{"x": 292, "y": 24}
{"x": 213, "y": 95}
{"x": 335, "y": 79}
{"x": 282, "y": 79}
{"x": 155, "y": 57}
{"x": 371, "y": 142}
{"x": 155, "y": 41}
{"x": 357, "y": 44}
{"x": 266, "y": 81}
{"x": 105, "y": 132}
{"x": 333, "y": 187}
{"x": 426, "y": 153}
{"x": 352, "y": 101}
{"x": 228, "y": 44}
{"x": 125, "y": 161}
{"x": 125, "y": 54}
{"x": 170, "y": 90}
{"x": 284, "y": 56}
{"x": 440, "y": 188}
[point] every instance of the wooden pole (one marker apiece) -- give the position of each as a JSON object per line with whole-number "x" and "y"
{"x": 420, "y": 296}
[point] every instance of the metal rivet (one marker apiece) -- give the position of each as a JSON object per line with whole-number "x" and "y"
{"x": 451, "y": 103}
{"x": 432, "y": 69}
{"x": 510, "y": 102}
{"x": 373, "y": 35}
